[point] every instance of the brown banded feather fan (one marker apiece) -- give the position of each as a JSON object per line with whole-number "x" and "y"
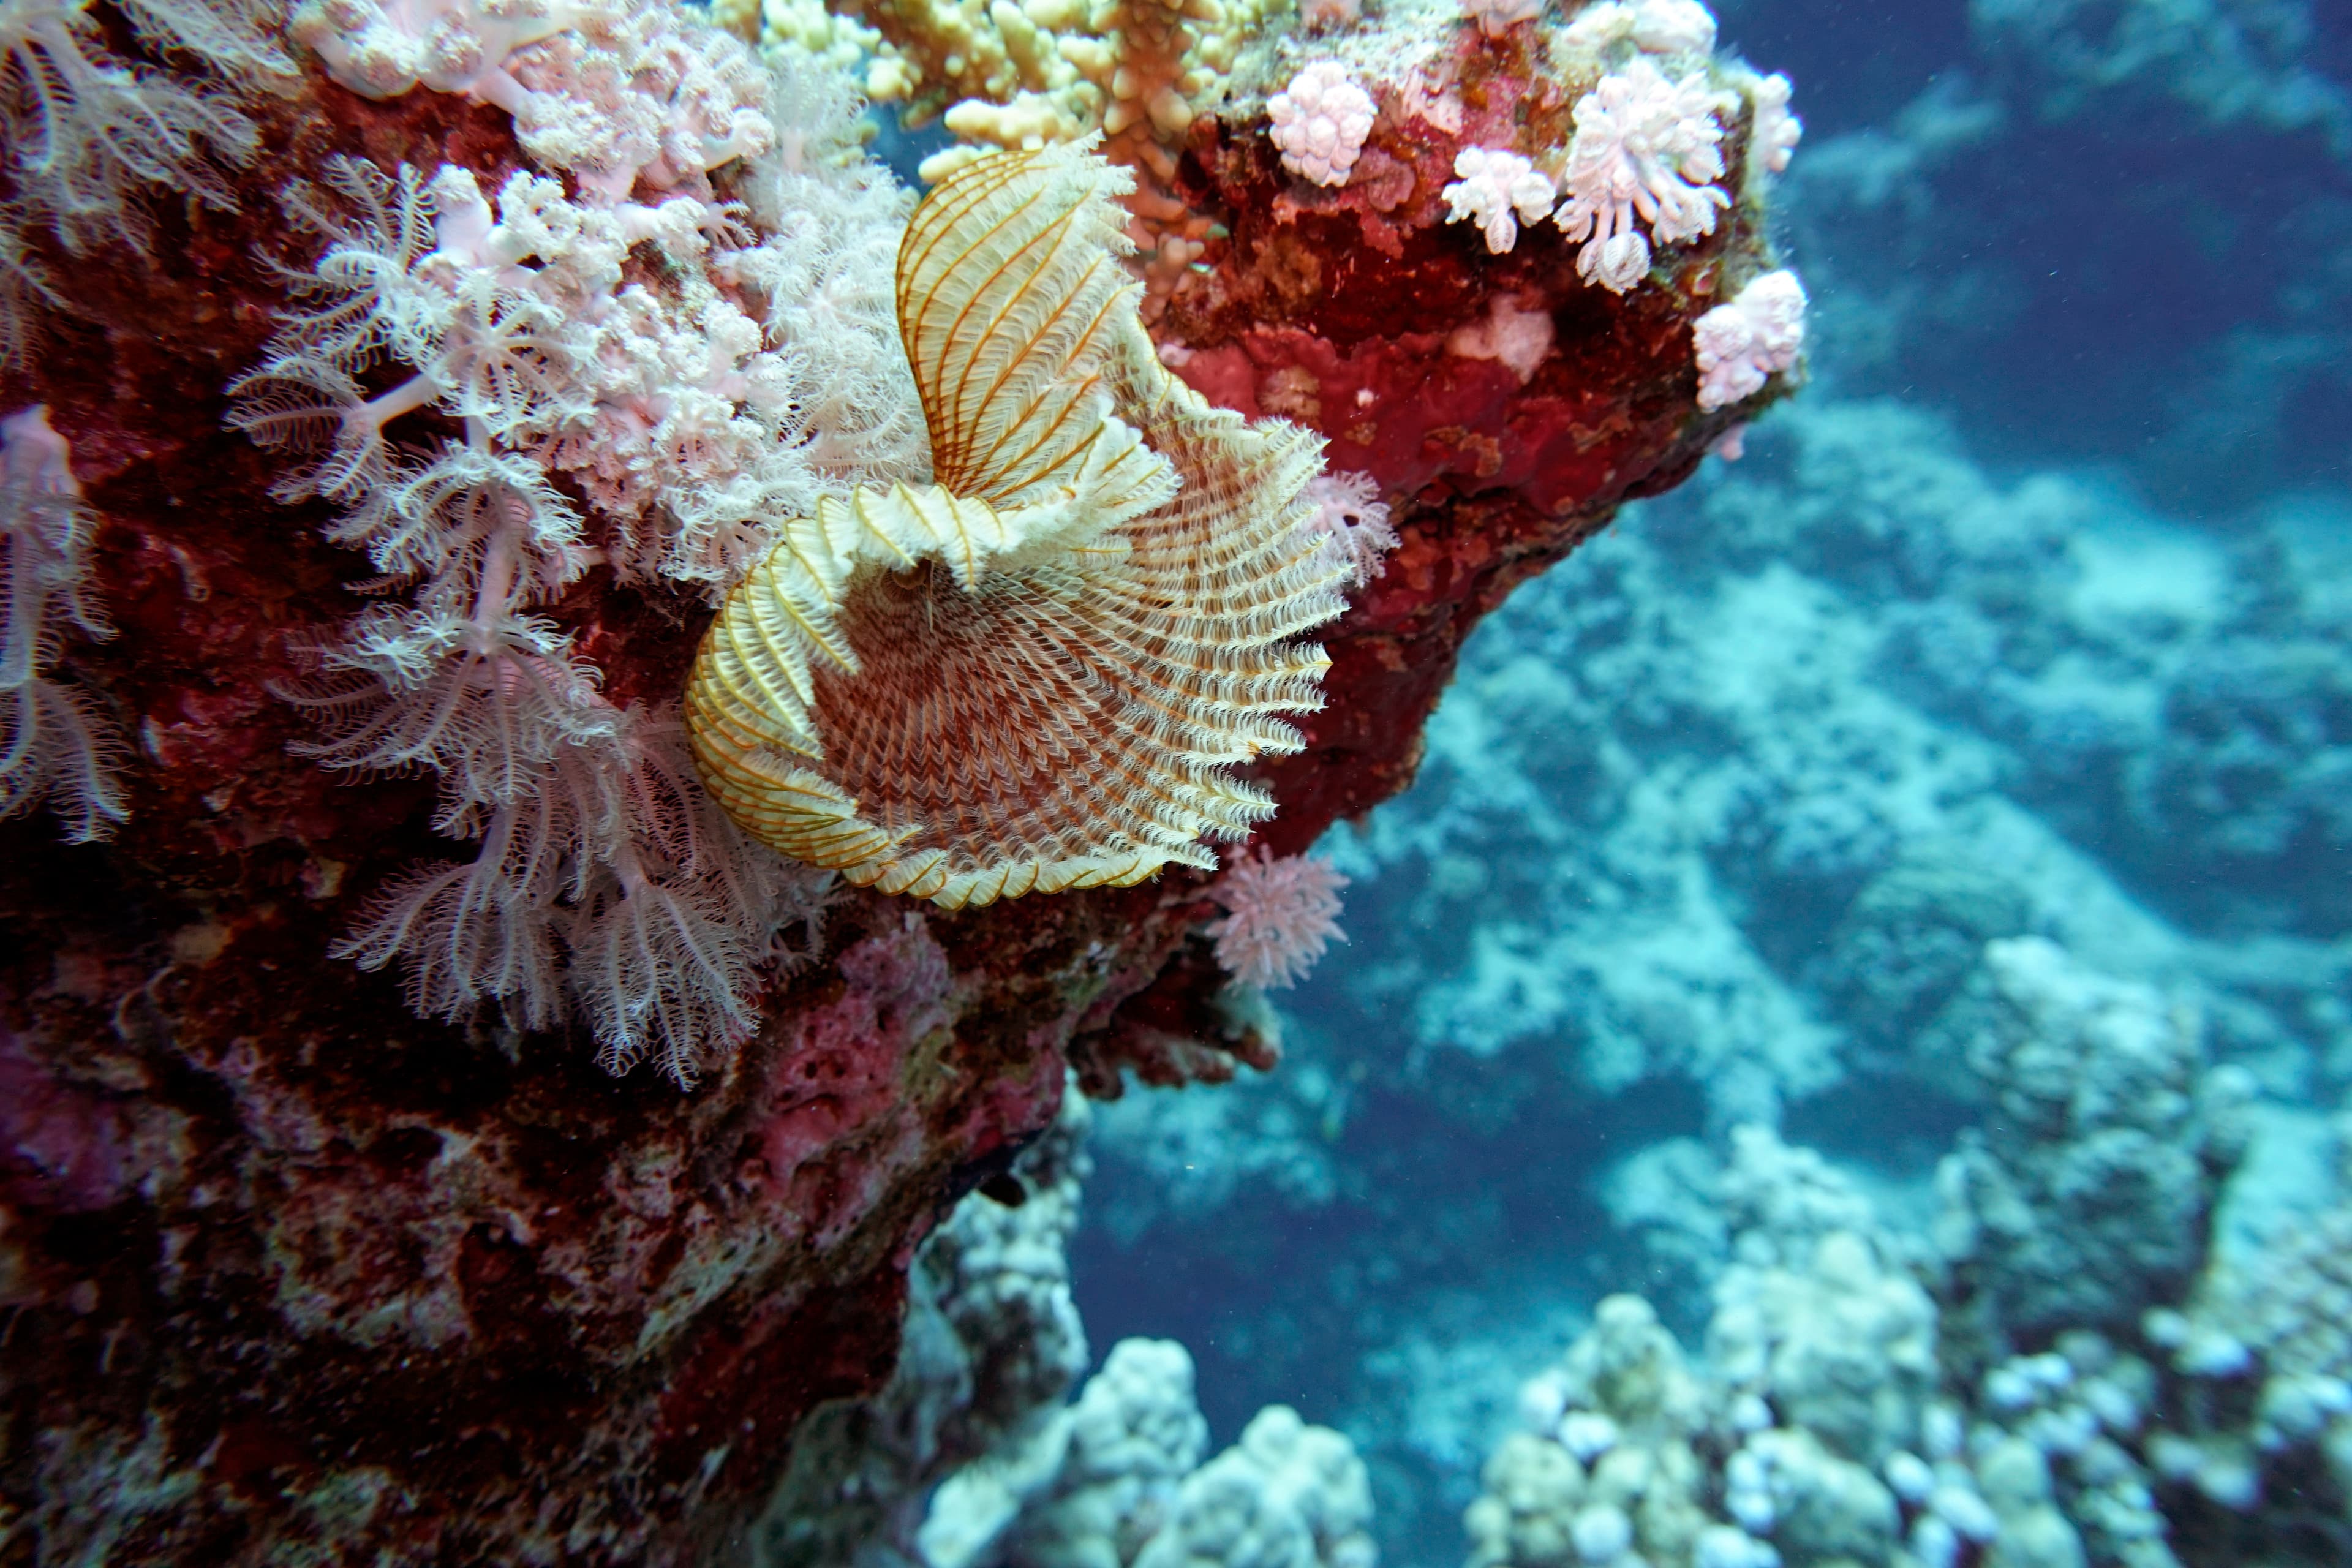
{"x": 1039, "y": 672}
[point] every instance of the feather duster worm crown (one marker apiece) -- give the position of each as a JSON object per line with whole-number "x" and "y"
{"x": 1038, "y": 672}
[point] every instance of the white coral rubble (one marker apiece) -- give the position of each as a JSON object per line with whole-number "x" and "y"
{"x": 1494, "y": 186}
{"x": 1646, "y": 148}
{"x": 1757, "y": 335}
{"x": 1320, "y": 123}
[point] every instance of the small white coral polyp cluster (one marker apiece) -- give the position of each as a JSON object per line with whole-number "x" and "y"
{"x": 1281, "y": 915}
{"x": 696, "y": 403}
{"x": 1774, "y": 132}
{"x": 1645, "y": 147}
{"x": 1757, "y": 335}
{"x": 1320, "y": 123}
{"x": 52, "y": 746}
{"x": 1352, "y": 523}
{"x": 1499, "y": 190}
{"x": 1648, "y": 148}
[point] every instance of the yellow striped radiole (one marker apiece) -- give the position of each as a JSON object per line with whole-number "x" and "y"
{"x": 1040, "y": 670}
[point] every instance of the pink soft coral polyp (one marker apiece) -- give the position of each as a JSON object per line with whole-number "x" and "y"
{"x": 1281, "y": 915}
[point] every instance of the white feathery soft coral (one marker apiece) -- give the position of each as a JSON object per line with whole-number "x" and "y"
{"x": 606, "y": 887}
{"x": 1321, "y": 121}
{"x": 54, "y": 746}
{"x": 485, "y": 703}
{"x": 24, "y": 290}
{"x": 630, "y": 96}
{"x": 482, "y": 930}
{"x": 1351, "y": 521}
{"x": 1280, "y": 917}
{"x": 1757, "y": 335}
{"x": 1494, "y": 184}
{"x": 482, "y": 344}
{"x": 676, "y": 914}
{"x": 1644, "y": 147}
{"x": 81, "y": 128}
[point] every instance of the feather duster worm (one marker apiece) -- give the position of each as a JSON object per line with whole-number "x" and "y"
{"x": 1038, "y": 672}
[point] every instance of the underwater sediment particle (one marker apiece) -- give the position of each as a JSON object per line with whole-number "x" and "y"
{"x": 1038, "y": 672}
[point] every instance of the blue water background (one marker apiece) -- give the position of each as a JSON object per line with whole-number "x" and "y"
{"x": 2043, "y": 580}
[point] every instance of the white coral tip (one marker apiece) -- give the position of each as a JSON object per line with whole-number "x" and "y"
{"x": 1755, "y": 336}
{"x": 1321, "y": 123}
{"x": 1499, "y": 190}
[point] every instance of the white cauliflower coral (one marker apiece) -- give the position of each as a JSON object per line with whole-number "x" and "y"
{"x": 1320, "y": 123}
{"x": 1755, "y": 336}
{"x": 1493, "y": 186}
{"x": 1645, "y": 147}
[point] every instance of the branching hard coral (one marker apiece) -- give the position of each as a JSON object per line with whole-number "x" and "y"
{"x": 1756, "y": 336}
{"x": 53, "y": 745}
{"x": 83, "y": 129}
{"x": 1034, "y": 673}
{"x": 1644, "y": 147}
{"x": 1321, "y": 121}
{"x": 1494, "y": 184}
{"x": 1053, "y": 73}
{"x": 1352, "y": 523}
{"x": 1280, "y": 916}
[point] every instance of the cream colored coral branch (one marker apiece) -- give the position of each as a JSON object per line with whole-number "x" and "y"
{"x": 1040, "y": 671}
